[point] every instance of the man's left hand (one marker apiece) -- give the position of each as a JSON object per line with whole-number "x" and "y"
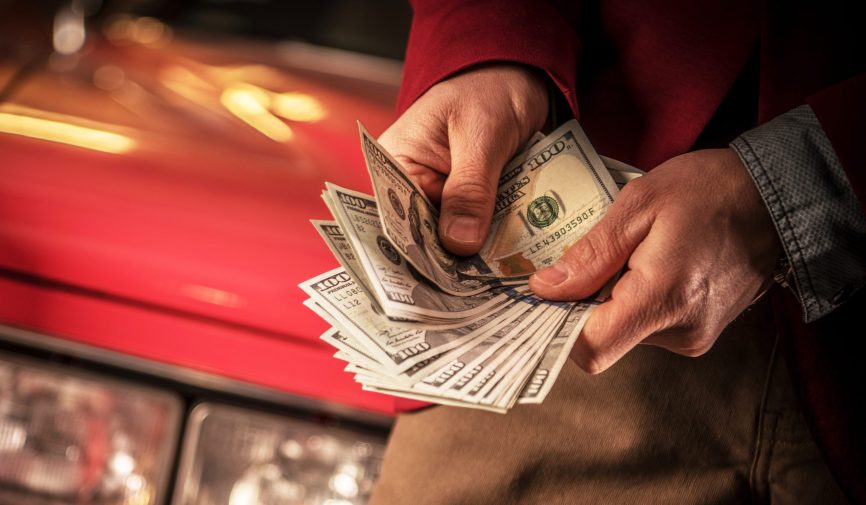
{"x": 699, "y": 244}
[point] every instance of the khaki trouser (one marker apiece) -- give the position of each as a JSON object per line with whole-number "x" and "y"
{"x": 655, "y": 428}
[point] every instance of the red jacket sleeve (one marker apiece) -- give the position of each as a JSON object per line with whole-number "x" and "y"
{"x": 830, "y": 379}
{"x": 448, "y": 36}
{"x": 841, "y": 110}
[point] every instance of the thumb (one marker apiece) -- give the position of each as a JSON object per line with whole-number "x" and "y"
{"x": 596, "y": 257}
{"x": 469, "y": 192}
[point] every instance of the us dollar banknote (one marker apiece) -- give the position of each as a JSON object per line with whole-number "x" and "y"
{"x": 413, "y": 320}
{"x": 621, "y": 173}
{"x": 548, "y": 197}
{"x": 338, "y": 299}
{"x": 475, "y": 360}
{"x": 339, "y": 245}
{"x": 411, "y": 222}
{"x": 400, "y": 291}
{"x": 555, "y": 355}
{"x": 494, "y": 377}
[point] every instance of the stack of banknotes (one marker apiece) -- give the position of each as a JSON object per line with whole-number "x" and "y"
{"x": 413, "y": 320}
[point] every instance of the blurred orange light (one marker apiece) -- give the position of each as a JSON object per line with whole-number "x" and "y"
{"x": 64, "y": 133}
{"x": 296, "y": 106}
{"x": 251, "y": 105}
{"x": 69, "y": 33}
{"x": 146, "y": 31}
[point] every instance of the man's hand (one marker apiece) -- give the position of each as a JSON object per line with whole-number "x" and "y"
{"x": 697, "y": 239}
{"x": 699, "y": 245}
{"x": 456, "y": 138}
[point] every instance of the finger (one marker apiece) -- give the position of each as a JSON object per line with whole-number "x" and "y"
{"x": 619, "y": 324}
{"x": 421, "y": 148}
{"x": 596, "y": 257}
{"x": 430, "y": 180}
{"x": 477, "y": 158}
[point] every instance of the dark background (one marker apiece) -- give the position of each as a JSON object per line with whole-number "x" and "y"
{"x": 379, "y": 27}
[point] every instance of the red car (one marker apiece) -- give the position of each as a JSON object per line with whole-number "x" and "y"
{"x": 155, "y": 192}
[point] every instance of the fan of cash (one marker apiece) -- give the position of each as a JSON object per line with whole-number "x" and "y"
{"x": 413, "y": 320}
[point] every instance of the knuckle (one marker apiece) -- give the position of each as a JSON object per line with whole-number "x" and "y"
{"x": 679, "y": 307}
{"x": 637, "y": 287}
{"x": 633, "y": 189}
{"x": 584, "y": 251}
{"x": 637, "y": 198}
{"x": 637, "y": 191}
{"x": 471, "y": 192}
{"x": 696, "y": 290}
{"x": 696, "y": 342}
{"x": 592, "y": 252}
{"x": 691, "y": 306}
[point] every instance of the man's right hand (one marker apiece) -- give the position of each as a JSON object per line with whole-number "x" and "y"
{"x": 456, "y": 138}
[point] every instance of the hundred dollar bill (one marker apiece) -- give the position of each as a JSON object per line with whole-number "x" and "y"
{"x": 517, "y": 370}
{"x": 411, "y": 222}
{"x": 621, "y": 173}
{"x": 492, "y": 379}
{"x": 346, "y": 347}
{"x": 477, "y": 360}
{"x": 443, "y": 379}
{"x": 497, "y": 383}
{"x": 397, "y": 349}
{"x": 400, "y": 291}
{"x": 414, "y": 395}
{"x": 412, "y": 320}
{"x": 457, "y": 394}
{"x": 545, "y": 374}
{"x": 547, "y": 362}
{"x": 376, "y": 374}
{"x": 336, "y": 241}
{"x": 458, "y": 372}
{"x": 487, "y": 355}
{"x": 548, "y": 197}
{"x": 511, "y": 370}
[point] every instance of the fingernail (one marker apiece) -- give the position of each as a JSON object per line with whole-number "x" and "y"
{"x": 553, "y": 275}
{"x": 464, "y": 229}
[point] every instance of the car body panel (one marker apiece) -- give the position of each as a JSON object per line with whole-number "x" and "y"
{"x": 7, "y": 71}
{"x": 189, "y": 345}
{"x": 185, "y": 241}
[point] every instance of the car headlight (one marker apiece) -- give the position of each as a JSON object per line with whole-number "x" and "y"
{"x": 69, "y": 437}
{"x": 242, "y": 457}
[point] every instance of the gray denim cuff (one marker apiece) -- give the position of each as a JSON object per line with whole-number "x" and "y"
{"x": 817, "y": 216}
